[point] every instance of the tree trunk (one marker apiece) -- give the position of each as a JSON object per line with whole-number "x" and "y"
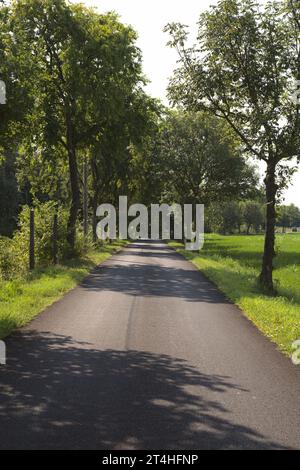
{"x": 73, "y": 171}
{"x": 266, "y": 275}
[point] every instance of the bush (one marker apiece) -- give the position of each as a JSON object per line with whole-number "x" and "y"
{"x": 14, "y": 252}
{"x": 8, "y": 262}
{"x": 43, "y": 222}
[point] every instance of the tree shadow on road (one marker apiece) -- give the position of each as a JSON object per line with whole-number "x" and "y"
{"x": 153, "y": 280}
{"x": 58, "y": 394}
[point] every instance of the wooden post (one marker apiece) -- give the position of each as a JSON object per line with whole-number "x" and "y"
{"x": 85, "y": 198}
{"x": 31, "y": 240}
{"x": 55, "y": 237}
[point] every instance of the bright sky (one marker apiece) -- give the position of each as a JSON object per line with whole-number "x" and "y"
{"x": 148, "y": 17}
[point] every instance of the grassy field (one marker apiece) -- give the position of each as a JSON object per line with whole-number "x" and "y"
{"x": 233, "y": 263}
{"x": 23, "y": 299}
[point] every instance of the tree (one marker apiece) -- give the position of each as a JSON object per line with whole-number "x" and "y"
{"x": 51, "y": 33}
{"x": 232, "y": 216}
{"x": 10, "y": 197}
{"x": 199, "y": 160}
{"x": 245, "y": 76}
{"x": 253, "y": 215}
{"x": 288, "y": 217}
{"x": 112, "y": 154}
{"x": 223, "y": 217}
{"x": 85, "y": 67}
{"x": 283, "y": 218}
{"x": 18, "y": 103}
{"x": 294, "y": 212}
{"x": 18, "y": 100}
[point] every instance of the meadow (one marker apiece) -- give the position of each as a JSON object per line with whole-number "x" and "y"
{"x": 233, "y": 263}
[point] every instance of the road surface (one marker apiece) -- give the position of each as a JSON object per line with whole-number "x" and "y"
{"x": 146, "y": 354}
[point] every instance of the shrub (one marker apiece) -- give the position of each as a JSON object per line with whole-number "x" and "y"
{"x": 14, "y": 252}
{"x": 43, "y": 222}
{"x": 7, "y": 259}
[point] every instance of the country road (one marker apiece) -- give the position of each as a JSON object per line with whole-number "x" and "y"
{"x": 146, "y": 354}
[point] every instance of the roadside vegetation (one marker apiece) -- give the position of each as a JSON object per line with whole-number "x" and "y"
{"x": 24, "y": 296}
{"x": 232, "y": 262}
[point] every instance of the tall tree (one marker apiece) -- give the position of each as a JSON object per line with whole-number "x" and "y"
{"x": 246, "y": 75}
{"x": 16, "y": 75}
{"x": 51, "y": 34}
{"x": 86, "y": 64}
{"x": 197, "y": 159}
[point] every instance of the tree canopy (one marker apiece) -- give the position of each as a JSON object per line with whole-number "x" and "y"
{"x": 82, "y": 73}
{"x": 246, "y": 76}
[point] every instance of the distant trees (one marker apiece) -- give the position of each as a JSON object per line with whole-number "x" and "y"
{"x": 253, "y": 215}
{"x": 288, "y": 217}
{"x": 230, "y": 217}
{"x": 195, "y": 158}
{"x": 236, "y": 217}
{"x": 243, "y": 70}
{"x": 247, "y": 216}
{"x": 111, "y": 156}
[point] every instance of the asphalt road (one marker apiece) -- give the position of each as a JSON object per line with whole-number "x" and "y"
{"x": 146, "y": 354}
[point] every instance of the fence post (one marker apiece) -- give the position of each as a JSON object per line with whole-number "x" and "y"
{"x": 31, "y": 240}
{"x": 54, "y": 238}
{"x": 85, "y": 198}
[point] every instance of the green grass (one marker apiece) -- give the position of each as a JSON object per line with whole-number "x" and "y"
{"x": 233, "y": 264}
{"x": 23, "y": 299}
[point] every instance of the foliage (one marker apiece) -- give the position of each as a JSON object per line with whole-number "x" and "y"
{"x": 10, "y": 197}
{"x": 43, "y": 222}
{"x": 12, "y": 72}
{"x": 14, "y": 252}
{"x": 288, "y": 216}
{"x": 235, "y": 216}
{"x": 245, "y": 76}
{"x": 82, "y": 72}
{"x": 253, "y": 215}
{"x": 194, "y": 158}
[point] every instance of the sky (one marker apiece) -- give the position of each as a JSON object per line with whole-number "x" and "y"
{"x": 148, "y": 18}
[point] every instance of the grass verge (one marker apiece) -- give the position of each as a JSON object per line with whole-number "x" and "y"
{"x": 22, "y": 299}
{"x": 233, "y": 262}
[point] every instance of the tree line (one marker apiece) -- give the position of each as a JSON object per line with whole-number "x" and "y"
{"x": 75, "y": 99}
{"x": 79, "y": 129}
{"x": 248, "y": 217}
